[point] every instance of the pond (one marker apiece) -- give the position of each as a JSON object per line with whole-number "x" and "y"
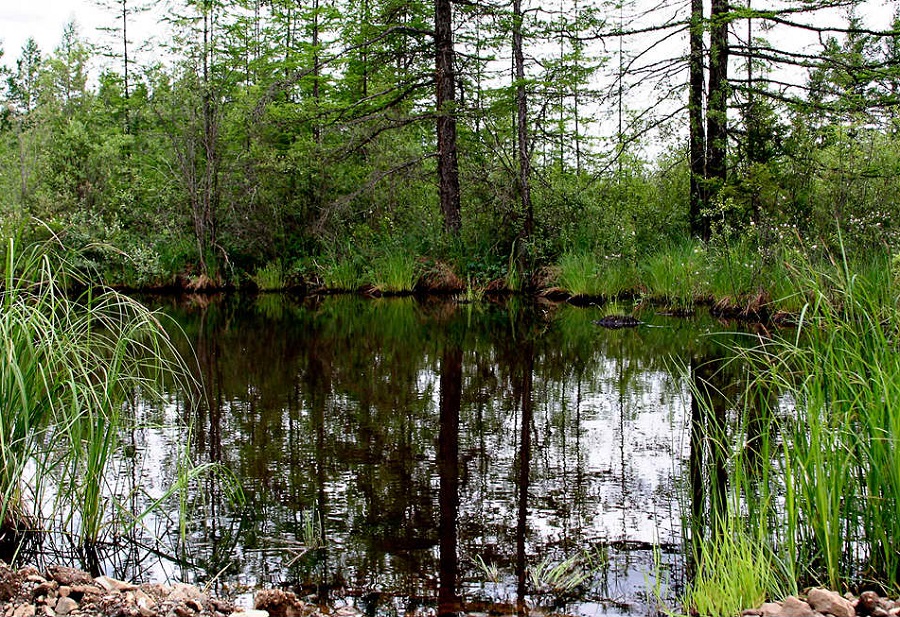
{"x": 404, "y": 454}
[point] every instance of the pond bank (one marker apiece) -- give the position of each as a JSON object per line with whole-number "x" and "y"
{"x": 62, "y": 590}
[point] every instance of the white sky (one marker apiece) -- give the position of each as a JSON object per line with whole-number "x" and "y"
{"x": 44, "y": 20}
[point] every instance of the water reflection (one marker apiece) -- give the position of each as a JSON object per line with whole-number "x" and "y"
{"x": 406, "y": 454}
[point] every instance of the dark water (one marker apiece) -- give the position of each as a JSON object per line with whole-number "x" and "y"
{"x": 404, "y": 455}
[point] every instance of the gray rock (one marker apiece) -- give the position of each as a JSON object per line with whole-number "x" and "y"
{"x": 65, "y": 605}
{"x": 250, "y": 612}
{"x": 830, "y": 602}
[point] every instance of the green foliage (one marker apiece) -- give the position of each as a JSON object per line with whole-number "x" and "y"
{"x": 815, "y": 436}
{"x": 394, "y": 272}
{"x": 676, "y": 275}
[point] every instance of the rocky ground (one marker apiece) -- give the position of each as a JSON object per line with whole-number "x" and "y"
{"x": 63, "y": 591}
{"x": 819, "y": 602}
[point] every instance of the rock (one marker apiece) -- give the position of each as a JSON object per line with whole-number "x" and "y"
{"x": 250, "y": 612}
{"x": 145, "y": 603}
{"x": 69, "y": 576}
{"x": 24, "y": 610}
{"x": 769, "y": 609}
{"x": 10, "y": 582}
{"x": 65, "y": 605}
{"x": 47, "y": 588}
{"x": 181, "y": 610}
{"x": 182, "y": 592}
{"x": 830, "y": 602}
{"x": 795, "y": 607}
{"x": 110, "y": 584}
{"x": 868, "y": 601}
{"x": 279, "y": 603}
{"x": 350, "y": 611}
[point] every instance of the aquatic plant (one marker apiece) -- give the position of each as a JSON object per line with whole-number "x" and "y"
{"x": 813, "y": 467}
{"x": 68, "y": 367}
{"x": 394, "y": 271}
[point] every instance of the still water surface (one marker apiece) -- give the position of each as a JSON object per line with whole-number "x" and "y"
{"x": 433, "y": 450}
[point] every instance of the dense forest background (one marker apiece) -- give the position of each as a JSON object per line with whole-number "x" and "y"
{"x": 284, "y": 141}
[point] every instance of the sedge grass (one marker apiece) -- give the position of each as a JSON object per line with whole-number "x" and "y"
{"x": 394, "y": 271}
{"x": 68, "y": 367}
{"x": 270, "y": 277}
{"x": 824, "y": 498}
{"x": 676, "y": 275}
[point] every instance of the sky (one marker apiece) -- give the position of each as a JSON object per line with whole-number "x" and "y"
{"x": 44, "y": 20}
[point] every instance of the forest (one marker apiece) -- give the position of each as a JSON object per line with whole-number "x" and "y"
{"x": 677, "y": 151}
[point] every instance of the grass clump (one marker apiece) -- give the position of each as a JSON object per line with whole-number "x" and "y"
{"x": 733, "y": 572}
{"x": 677, "y": 274}
{"x": 579, "y": 274}
{"x": 394, "y": 272}
{"x": 341, "y": 274}
{"x": 68, "y": 367}
{"x": 812, "y": 459}
{"x": 270, "y": 277}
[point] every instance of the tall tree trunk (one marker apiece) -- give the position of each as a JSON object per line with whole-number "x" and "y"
{"x": 717, "y": 100}
{"x": 126, "y": 62}
{"x": 522, "y": 146}
{"x": 317, "y": 130}
{"x": 445, "y": 78}
{"x": 699, "y": 223}
{"x": 210, "y": 187}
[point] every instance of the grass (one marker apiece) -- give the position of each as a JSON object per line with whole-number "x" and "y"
{"x": 676, "y": 275}
{"x": 733, "y": 572}
{"x": 68, "y": 367}
{"x": 270, "y": 277}
{"x": 586, "y": 274}
{"x": 394, "y": 271}
{"x": 821, "y": 497}
{"x": 341, "y": 274}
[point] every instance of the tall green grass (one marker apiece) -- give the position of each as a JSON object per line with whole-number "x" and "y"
{"x": 586, "y": 274}
{"x": 394, "y": 271}
{"x": 68, "y": 366}
{"x": 676, "y": 275}
{"x": 814, "y": 451}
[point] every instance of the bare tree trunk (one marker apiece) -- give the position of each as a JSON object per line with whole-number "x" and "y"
{"x": 524, "y": 179}
{"x": 699, "y": 222}
{"x": 317, "y": 130}
{"x": 717, "y": 100}
{"x": 448, "y": 164}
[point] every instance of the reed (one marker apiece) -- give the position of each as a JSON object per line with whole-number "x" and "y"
{"x": 68, "y": 367}
{"x": 270, "y": 277}
{"x": 824, "y": 495}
